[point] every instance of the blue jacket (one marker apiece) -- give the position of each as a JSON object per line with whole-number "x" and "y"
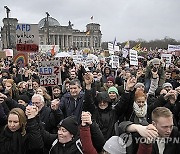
{"x": 69, "y": 106}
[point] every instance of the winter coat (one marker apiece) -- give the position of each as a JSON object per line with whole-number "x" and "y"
{"x": 69, "y": 106}
{"x": 15, "y": 143}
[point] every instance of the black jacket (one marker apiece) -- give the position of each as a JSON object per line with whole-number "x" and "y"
{"x": 15, "y": 143}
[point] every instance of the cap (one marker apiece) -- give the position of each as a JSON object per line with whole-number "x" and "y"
{"x": 25, "y": 98}
{"x": 113, "y": 89}
{"x": 110, "y": 78}
{"x": 167, "y": 84}
{"x": 138, "y": 85}
{"x": 156, "y": 61}
{"x": 70, "y": 124}
{"x": 115, "y": 145}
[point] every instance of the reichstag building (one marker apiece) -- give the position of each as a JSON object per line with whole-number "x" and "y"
{"x": 64, "y": 36}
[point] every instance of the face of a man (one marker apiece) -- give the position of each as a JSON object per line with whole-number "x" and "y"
{"x": 37, "y": 101}
{"x": 64, "y": 135}
{"x": 167, "y": 75}
{"x": 164, "y": 126}
{"x": 74, "y": 90}
{"x": 73, "y": 75}
{"x": 168, "y": 88}
{"x": 103, "y": 105}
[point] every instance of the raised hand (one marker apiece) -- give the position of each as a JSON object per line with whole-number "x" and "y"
{"x": 86, "y": 118}
{"x": 131, "y": 83}
{"x": 31, "y": 111}
{"x": 55, "y": 104}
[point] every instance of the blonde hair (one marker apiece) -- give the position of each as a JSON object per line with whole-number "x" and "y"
{"x": 22, "y": 119}
{"x": 161, "y": 112}
{"x": 46, "y": 95}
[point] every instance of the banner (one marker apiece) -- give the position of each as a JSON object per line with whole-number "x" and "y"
{"x": 27, "y": 37}
{"x": 48, "y": 48}
{"x": 115, "y": 61}
{"x": 173, "y": 48}
{"x": 133, "y": 57}
{"x": 50, "y": 74}
{"x": 166, "y": 58}
{"x": 9, "y": 52}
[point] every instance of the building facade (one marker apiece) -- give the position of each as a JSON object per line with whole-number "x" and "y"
{"x": 64, "y": 36}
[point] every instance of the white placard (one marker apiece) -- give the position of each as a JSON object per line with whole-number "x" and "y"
{"x": 50, "y": 74}
{"x": 77, "y": 59}
{"x": 114, "y": 61}
{"x": 45, "y": 48}
{"x": 133, "y": 56}
{"x": 166, "y": 58}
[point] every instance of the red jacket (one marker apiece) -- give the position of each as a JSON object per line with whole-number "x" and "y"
{"x": 144, "y": 149}
{"x": 85, "y": 136}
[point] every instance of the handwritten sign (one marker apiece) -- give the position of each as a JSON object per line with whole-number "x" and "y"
{"x": 27, "y": 37}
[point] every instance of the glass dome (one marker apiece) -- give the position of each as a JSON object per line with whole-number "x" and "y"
{"x": 52, "y": 22}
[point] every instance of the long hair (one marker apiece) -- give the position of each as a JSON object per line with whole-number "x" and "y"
{"x": 22, "y": 119}
{"x": 46, "y": 95}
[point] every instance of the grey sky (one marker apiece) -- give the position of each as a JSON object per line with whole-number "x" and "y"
{"x": 123, "y": 19}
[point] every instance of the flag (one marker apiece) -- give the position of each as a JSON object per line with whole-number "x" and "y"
{"x": 88, "y": 32}
{"x": 114, "y": 42}
{"x": 137, "y": 47}
{"x": 53, "y": 51}
{"x": 127, "y": 45}
{"x": 92, "y": 17}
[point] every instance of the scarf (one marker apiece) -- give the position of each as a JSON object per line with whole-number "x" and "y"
{"x": 13, "y": 141}
{"x": 140, "y": 112}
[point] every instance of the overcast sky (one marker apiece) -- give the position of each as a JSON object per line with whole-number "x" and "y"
{"x": 123, "y": 19}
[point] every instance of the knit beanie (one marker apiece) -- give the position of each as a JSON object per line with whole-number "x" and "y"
{"x": 113, "y": 89}
{"x": 167, "y": 84}
{"x": 156, "y": 61}
{"x": 24, "y": 98}
{"x": 115, "y": 145}
{"x": 138, "y": 85}
{"x": 110, "y": 78}
{"x": 70, "y": 124}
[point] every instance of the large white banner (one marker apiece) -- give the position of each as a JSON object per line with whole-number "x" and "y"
{"x": 46, "y": 48}
{"x": 50, "y": 74}
{"x": 133, "y": 56}
{"x": 27, "y": 37}
{"x": 173, "y": 48}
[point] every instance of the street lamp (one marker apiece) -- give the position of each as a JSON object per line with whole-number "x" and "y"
{"x": 47, "y": 24}
{"x": 8, "y": 25}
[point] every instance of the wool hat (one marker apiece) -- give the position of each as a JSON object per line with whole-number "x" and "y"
{"x": 115, "y": 145}
{"x": 138, "y": 85}
{"x": 110, "y": 78}
{"x": 70, "y": 123}
{"x": 25, "y": 98}
{"x": 167, "y": 84}
{"x": 113, "y": 89}
{"x": 156, "y": 61}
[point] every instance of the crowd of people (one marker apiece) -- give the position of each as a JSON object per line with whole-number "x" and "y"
{"x": 97, "y": 109}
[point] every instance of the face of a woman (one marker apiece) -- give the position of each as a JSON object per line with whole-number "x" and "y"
{"x": 112, "y": 95}
{"x": 13, "y": 122}
{"x": 64, "y": 135}
{"x": 140, "y": 101}
{"x": 39, "y": 91}
{"x": 8, "y": 85}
